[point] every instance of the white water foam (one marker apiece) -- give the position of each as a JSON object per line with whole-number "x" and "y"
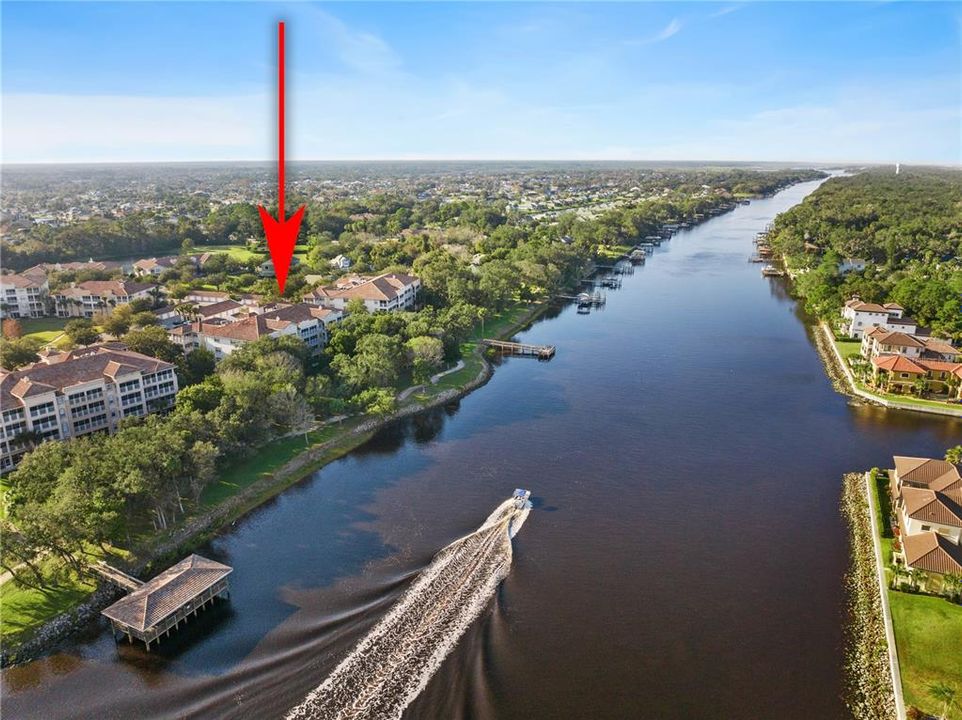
{"x": 395, "y": 661}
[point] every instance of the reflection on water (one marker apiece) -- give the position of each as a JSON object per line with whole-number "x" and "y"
{"x": 685, "y": 555}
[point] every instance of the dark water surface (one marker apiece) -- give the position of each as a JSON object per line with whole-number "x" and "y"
{"x": 684, "y": 558}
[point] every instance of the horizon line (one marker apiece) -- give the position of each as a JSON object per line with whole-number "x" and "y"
{"x": 706, "y": 161}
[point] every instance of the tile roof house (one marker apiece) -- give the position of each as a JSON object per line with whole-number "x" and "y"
{"x": 73, "y": 393}
{"x": 884, "y": 341}
{"x": 387, "y": 292}
{"x": 898, "y": 374}
{"x": 927, "y": 498}
{"x": 858, "y": 317}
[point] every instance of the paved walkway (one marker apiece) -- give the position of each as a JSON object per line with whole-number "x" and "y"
{"x": 407, "y": 392}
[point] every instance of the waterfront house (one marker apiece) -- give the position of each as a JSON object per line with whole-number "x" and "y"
{"x": 901, "y": 375}
{"x": 23, "y": 296}
{"x": 882, "y": 341}
{"x": 387, "y": 292}
{"x": 927, "y": 500}
{"x": 68, "y": 394}
{"x": 858, "y": 317}
{"x": 88, "y": 298}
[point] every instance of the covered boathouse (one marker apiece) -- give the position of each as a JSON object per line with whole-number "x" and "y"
{"x": 160, "y": 605}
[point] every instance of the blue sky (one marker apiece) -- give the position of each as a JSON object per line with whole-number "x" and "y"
{"x": 867, "y": 81}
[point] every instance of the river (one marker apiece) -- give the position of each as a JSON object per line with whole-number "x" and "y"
{"x": 684, "y": 557}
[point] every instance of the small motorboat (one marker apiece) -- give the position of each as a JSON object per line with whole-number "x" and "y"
{"x": 521, "y": 498}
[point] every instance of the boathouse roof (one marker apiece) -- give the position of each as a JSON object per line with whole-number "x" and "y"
{"x": 165, "y": 594}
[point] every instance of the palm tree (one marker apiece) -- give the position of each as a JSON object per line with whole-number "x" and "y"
{"x": 944, "y": 693}
{"x": 917, "y": 578}
{"x": 954, "y": 455}
{"x": 898, "y": 572}
{"x": 952, "y": 585}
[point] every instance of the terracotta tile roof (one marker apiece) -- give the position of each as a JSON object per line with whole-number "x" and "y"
{"x": 156, "y": 599}
{"x": 105, "y": 288}
{"x": 931, "y": 506}
{"x": 860, "y": 306}
{"x": 66, "y": 372}
{"x": 381, "y": 287}
{"x": 928, "y": 472}
{"x": 939, "y": 365}
{"x": 21, "y": 281}
{"x": 218, "y": 307}
{"x": 937, "y": 345}
{"x": 249, "y": 329}
{"x": 932, "y": 552}
{"x": 298, "y": 313}
{"x": 900, "y": 339}
{"x": 897, "y": 363}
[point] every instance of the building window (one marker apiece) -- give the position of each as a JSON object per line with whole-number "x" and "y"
{"x": 926, "y": 527}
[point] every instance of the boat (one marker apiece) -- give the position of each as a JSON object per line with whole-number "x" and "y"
{"x": 522, "y": 498}
{"x": 771, "y": 271}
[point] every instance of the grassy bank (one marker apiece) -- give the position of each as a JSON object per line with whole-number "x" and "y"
{"x": 928, "y": 635}
{"x": 928, "y": 630}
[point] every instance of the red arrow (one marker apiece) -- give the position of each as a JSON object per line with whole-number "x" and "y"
{"x": 282, "y": 232}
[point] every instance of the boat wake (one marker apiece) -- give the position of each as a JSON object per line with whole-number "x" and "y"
{"x": 395, "y": 661}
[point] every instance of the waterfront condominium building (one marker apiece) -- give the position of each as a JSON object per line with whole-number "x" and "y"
{"x": 86, "y": 299}
{"x": 23, "y": 296}
{"x": 387, "y": 292}
{"x": 68, "y": 394}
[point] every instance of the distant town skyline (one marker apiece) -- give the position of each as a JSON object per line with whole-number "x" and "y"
{"x": 159, "y": 82}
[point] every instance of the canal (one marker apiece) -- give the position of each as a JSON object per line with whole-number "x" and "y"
{"x": 684, "y": 558}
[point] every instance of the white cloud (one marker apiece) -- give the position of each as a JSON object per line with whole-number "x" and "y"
{"x": 670, "y": 30}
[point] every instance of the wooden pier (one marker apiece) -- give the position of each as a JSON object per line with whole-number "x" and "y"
{"x": 542, "y": 352}
{"x": 117, "y": 577}
{"x": 154, "y": 608}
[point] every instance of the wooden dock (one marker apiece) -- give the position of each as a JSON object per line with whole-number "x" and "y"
{"x": 117, "y": 577}
{"x": 154, "y": 608}
{"x": 542, "y": 352}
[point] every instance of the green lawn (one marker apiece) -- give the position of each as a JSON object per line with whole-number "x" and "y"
{"x": 496, "y": 324}
{"x": 26, "y": 609}
{"x": 881, "y": 504}
{"x": 928, "y": 634}
{"x": 43, "y": 329}
{"x": 237, "y": 252}
{"x": 848, "y": 348}
{"x": 266, "y": 460}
